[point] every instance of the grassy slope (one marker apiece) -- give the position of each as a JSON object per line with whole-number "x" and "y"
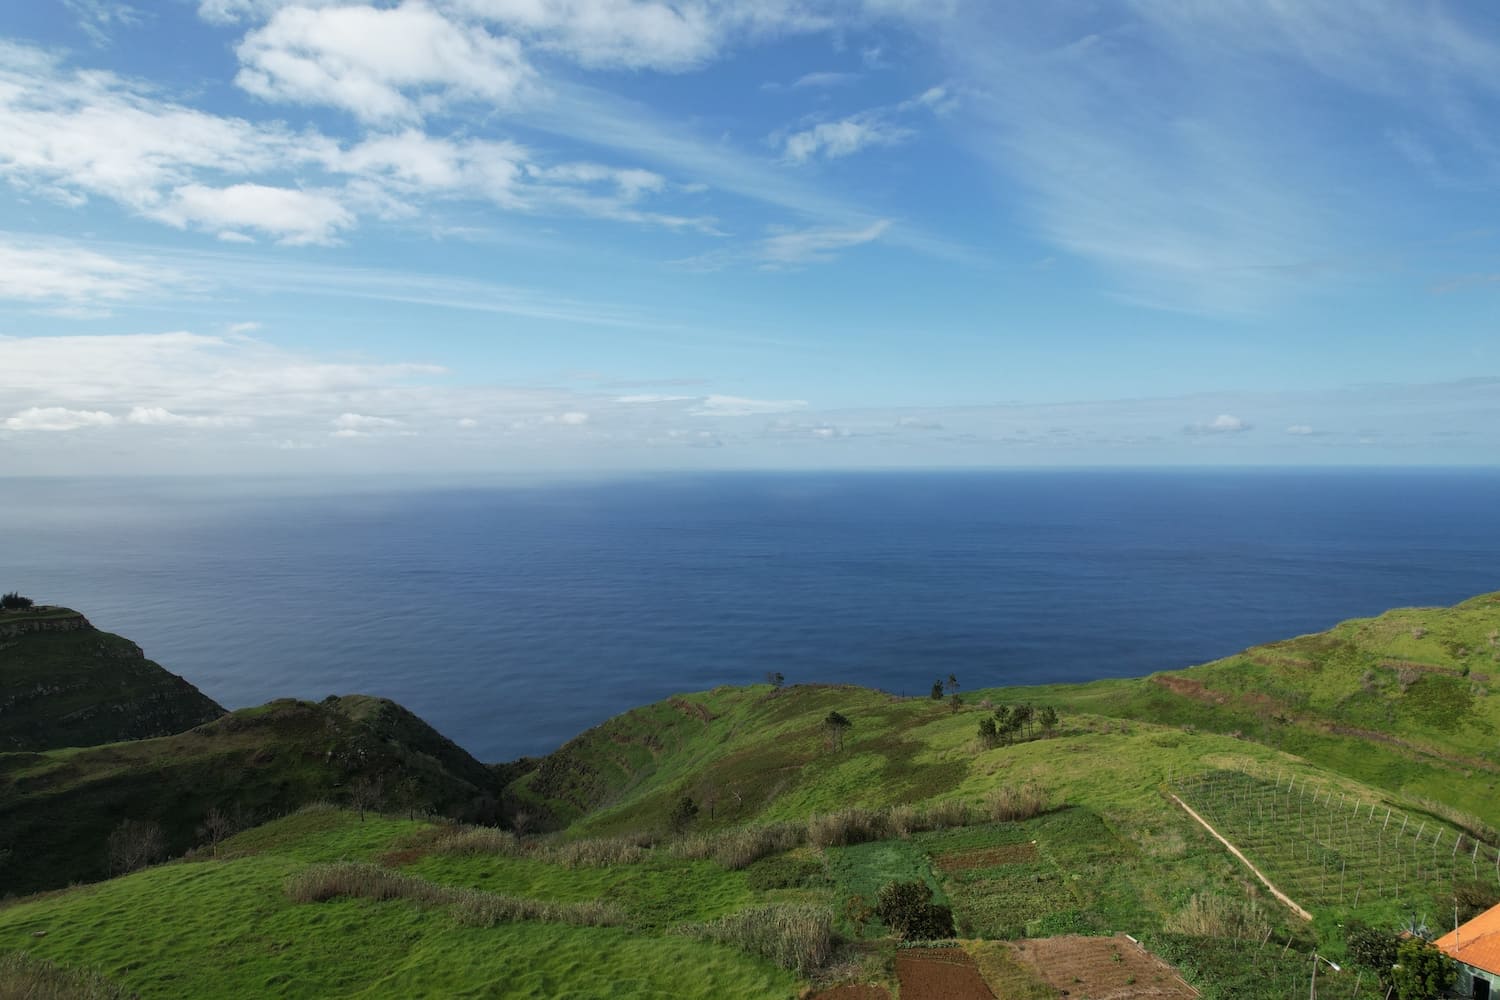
{"x": 226, "y": 928}
{"x": 59, "y": 807}
{"x": 1408, "y": 701}
{"x": 64, "y": 683}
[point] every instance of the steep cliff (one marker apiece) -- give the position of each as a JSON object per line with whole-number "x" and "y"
{"x": 64, "y": 683}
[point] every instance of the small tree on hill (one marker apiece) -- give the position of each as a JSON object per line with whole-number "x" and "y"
{"x": 366, "y": 794}
{"x": 937, "y": 690}
{"x": 835, "y": 726}
{"x": 1374, "y": 949}
{"x": 15, "y": 602}
{"x": 955, "y": 703}
{"x": 133, "y": 845}
{"x": 989, "y": 733}
{"x": 217, "y": 827}
{"x": 1048, "y": 718}
{"x": 908, "y": 910}
{"x": 683, "y": 813}
{"x": 775, "y": 678}
{"x": 952, "y": 682}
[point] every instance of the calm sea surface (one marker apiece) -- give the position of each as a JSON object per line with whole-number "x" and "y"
{"x": 513, "y": 617}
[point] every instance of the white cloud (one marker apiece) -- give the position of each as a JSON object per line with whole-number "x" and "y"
{"x": 380, "y": 64}
{"x": 740, "y": 406}
{"x": 157, "y": 416}
{"x": 841, "y": 138}
{"x": 651, "y": 397}
{"x": 359, "y": 422}
{"x": 294, "y": 217}
{"x": 99, "y": 18}
{"x": 57, "y": 418}
{"x": 467, "y": 423}
{"x": 42, "y": 271}
{"x": 572, "y": 418}
{"x": 1302, "y": 430}
{"x": 1224, "y": 423}
{"x": 816, "y": 244}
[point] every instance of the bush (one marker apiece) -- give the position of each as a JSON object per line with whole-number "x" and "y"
{"x": 15, "y": 602}
{"x": 468, "y": 841}
{"x": 1421, "y": 971}
{"x": 795, "y": 936}
{"x": 1216, "y": 916}
{"x": 683, "y": 813}
{"x": 1373, "y": 949}
{"x": 1016, "y": 802}
{"x": 26, "y": 977}
{"x": 908, "y": 910}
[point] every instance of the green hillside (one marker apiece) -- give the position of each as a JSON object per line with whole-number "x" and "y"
{"x": 61, "y": 806}
{"x": 63, "y": 683}
{"x": 735, "y": 843}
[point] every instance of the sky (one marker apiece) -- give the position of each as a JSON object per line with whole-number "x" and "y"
{"x": 434, "y": 236}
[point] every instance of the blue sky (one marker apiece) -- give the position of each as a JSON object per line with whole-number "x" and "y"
{"x": 519, "y": 235}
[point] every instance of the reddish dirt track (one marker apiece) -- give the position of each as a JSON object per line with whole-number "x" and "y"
{"x": 939, "y": 974}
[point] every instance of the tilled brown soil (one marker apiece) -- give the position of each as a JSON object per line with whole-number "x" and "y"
{"x": 1100, "y": 968}
{"x": 939, "y": 974}
{"x": 987, "y": 857}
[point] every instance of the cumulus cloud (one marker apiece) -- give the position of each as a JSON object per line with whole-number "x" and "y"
{"x": 379, "y": 64}
{"x": 295, "y": 217}
{"x": 1224, "y": 423}
{"x": 57, "y": 418}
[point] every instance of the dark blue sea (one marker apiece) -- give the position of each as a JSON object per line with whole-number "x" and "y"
{"x": 512, "y": 616}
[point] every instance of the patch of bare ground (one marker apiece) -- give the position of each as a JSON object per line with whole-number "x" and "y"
{"x": 1100, "y": 968}
{"x": 852, "y": 991}
{"x": 939, "y": 974}
{"x": 987, "y": 857}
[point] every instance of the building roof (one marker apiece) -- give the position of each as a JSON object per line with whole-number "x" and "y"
{"x": 1476, "y": 943}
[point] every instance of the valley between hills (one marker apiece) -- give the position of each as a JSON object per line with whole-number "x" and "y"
{"x": 1203, "y": 832}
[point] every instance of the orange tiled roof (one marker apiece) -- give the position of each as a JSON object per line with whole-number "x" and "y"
{"x": 1476, "y": 943}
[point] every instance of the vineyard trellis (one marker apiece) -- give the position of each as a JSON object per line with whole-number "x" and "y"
{"x": 1327, "y": 847}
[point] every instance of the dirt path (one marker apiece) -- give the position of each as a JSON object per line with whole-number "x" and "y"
{"x": 1236, "y": 852}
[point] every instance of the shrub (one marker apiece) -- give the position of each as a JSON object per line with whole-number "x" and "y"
{"x": 1209, "y": 915}
{"x": 794, "y": 936}
{"x": 846, "y": 827}
{"x": 15, "y": 602}
{"x": 599, "y": 852}
{"x": 908, "y": 910}
{"x": 944, "y": 815}
{"x": 1016, "y": 802}
{"x": 468, "y": 841}
{"x": 27, "y": 977}
{"x": 737, "y": 849}
{"x": 1421, "y": 971}
{"x": 1374, "y": 949}
{"x": 683, "y": 813}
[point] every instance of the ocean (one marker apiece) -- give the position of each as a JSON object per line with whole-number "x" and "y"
{"x": 513, "y": 616}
